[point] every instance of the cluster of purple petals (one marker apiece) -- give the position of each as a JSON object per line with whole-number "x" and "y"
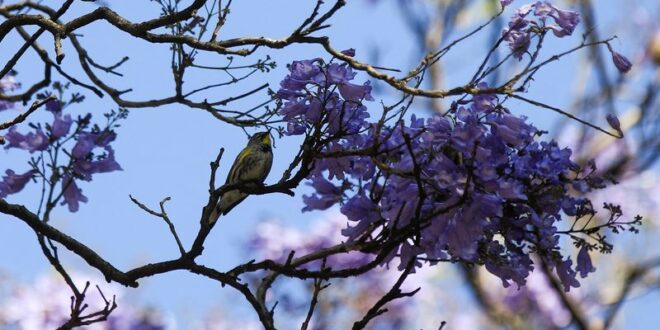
{"x": 528, "y": 19}
{"x": 316, "y": 92}
{"x": 91, "y": 153}
{"x": 621, "y": 62}
{"x": 275, "y": 241}
{"x": 12, "y": 183}
{"x": 543, "y": 15}
{"x": 7, "y": 83}
{"x": 482, "y": 187}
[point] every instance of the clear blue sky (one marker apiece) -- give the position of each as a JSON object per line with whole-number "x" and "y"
{"x": 166, "y": 151}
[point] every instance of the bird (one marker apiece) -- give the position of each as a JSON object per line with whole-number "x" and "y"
{"x": 252, "y": 164}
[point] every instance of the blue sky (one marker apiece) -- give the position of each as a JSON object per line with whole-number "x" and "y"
{"x": 166, "y": 151}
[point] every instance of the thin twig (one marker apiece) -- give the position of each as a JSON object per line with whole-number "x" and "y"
{"x": 21, "y": 118}
{"x": 163, "y": 215}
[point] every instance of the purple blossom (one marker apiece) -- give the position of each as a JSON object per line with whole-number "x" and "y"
{"x": 61, "y": 125}
{"x": 566, "y": 274}
{"x": 518, "y": 41}
{"x": 505, "y": 3}
{"x": 326, "y": 195}
{"x": 54, "y": 106}
{"x": 86, "y": 142}
{"x": 355, "y": 92}
{"x": 613, "y": 121}
{"x": 361, "y": 210}
{"x": 336, "y": 73}
{"x": 301, "y": 73}
{"x": 315, "y": 92}
{"x": 621, "y": 62}
{"x": 518, "y": 34}
{"x": 87, "y": 166}
{"x": 542, "y": 9}
{"x": 12, "y": 183}
{"x": 478, "y": 179}
{"x": 584, "y": 265}
{"x": 33, "y": 141}
{"x": 567, "y": 21}
{"x": 275, "y": 241}
{"x": 72, "y": 194}
{"x": 91, "y": 153}
{"x": 349, "y": 52}
{"x": 25, "y": 306}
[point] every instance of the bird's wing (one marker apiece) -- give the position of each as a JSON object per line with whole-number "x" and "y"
{"x": 232, "y": 176}
{"x": 268, "y": 163}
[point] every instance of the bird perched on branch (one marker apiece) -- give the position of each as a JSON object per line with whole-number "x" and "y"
{"x": 251, "y": 165}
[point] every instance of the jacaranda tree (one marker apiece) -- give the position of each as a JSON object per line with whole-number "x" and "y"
{"x": 470, "y": 183}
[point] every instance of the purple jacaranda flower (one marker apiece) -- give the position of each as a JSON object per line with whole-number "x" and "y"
{"x": 355, "y": 92}
{"x": 566, "y": 274}
{"x": 438, "y": 130}
{"x": 349, "y": 118}
{"x": 327, "y": 194}
{"x": 87, "y": 166}
{"x": 505, "y": 3}
{"x": 33, "y": 141}
{"x": 510, "y": 189}
{"x": 513, "y": 129}
{"x": 61, "y": 125}
{"x": 621, "y": 62}
{"x": 87, "y": 141}
{"x": 338, "y": 73}
{"x": 349, "y": 52}
{"x": 483, "y": 102}
{"x": 293, "y": 109}
{"x": 465, "y": 134}
{"x": 518, "y": 42}
{"x": 24, "y": 305}
{"x": 476, "y": 176}
{"x": 567, "y": 21}
{"x": 54, "y": 106}
{"x": 361, "y": 167}
{"x": 514, "y": 267}
{"x": 408, "y": 252}
{"x": 14, "y": 139}
{"x": 584, "y": 265}
{"x": 362, "y": 210}
{"x": 613, "y": 121}
{"x": 542, "y": 9}
{"x": 4, "y": 105}
{"x": 301, "y": 73}
{"x": 12, "y": 183}
{"x": 295, "y": 128}
{"x": 73, "y": 195}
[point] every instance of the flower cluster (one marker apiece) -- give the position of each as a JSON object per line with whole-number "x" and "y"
{"x": 475, "y": 185}
{"x": 273, "y": 240}
{"x": 315, "y": 92}
{"x": 521, "y": 27}
{"x": 86, "y": 147}
{"x": 45, "y": 304}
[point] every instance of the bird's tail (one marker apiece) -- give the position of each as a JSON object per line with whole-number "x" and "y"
{"x": 226, "y": 203}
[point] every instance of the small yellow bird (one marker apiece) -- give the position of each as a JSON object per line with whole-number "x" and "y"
{"x": 253, "y": 163}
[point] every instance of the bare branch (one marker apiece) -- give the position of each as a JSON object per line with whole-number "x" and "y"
{"x": 21, "y": 118}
